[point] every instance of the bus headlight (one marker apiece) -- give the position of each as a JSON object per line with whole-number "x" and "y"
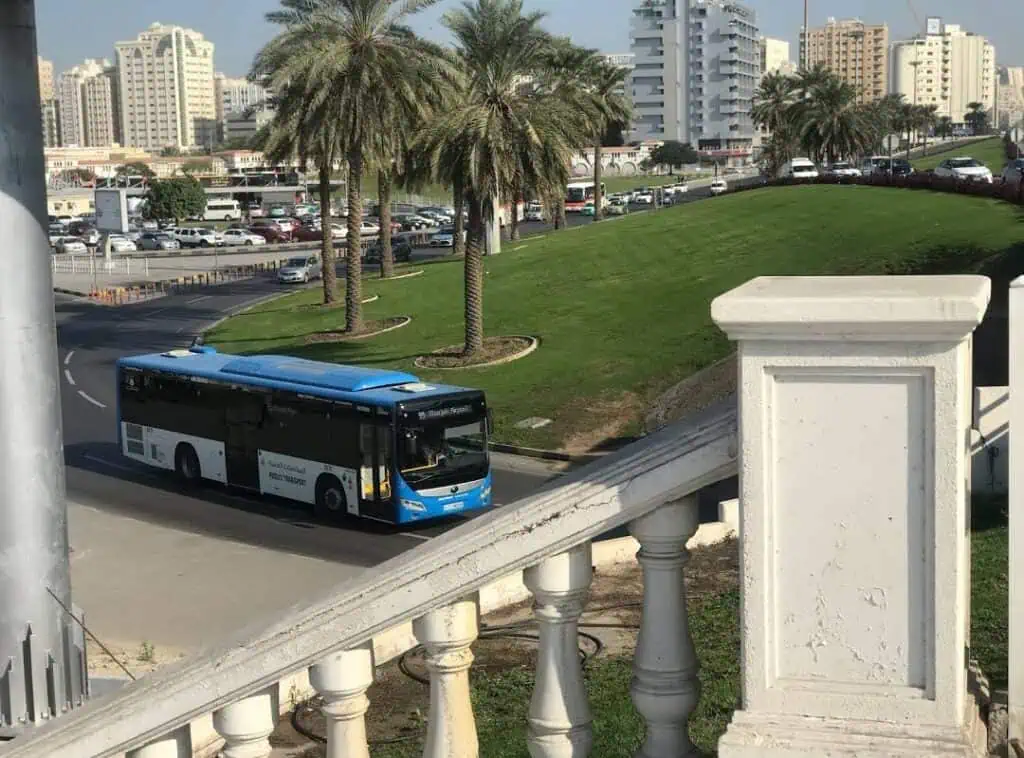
{"x": 486, "y": 494}
{"x": 414, "y": 505}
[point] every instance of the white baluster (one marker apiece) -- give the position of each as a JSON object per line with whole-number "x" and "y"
{"x": 177, "y": 744}
{"x": 342, "y": 680}
{"x": 247, "y": 724}
{"x": 559, "y": 718}
{"x": 447, "y": 633}
{"x": 665, "y": 688}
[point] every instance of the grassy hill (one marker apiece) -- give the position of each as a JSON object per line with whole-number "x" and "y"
{"x": 622, "y": 307}
{"x": 989, "y": 151}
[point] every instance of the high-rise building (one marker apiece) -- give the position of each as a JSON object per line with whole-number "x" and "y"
{"x": 51, "y": 123}
{"x": 948, "y": 68}
{"x": 775, "y": 57}
{"x": 45, "y": 78}
{"x": 857, "y": 52}
{"x": 87, "y": 105}
{"x": 697, "y": 68}
{"x": 235, "y": 95}
{"x": 1010, "y": 97}
{"x": 623, "y": 60}
{"x": 165, "y": 77}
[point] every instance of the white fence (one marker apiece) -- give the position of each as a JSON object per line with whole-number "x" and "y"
{"x": 89, "y": 264}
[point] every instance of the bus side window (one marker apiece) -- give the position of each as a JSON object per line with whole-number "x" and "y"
{"x": 366, "y": 449}
{"x": 384, "y": 461}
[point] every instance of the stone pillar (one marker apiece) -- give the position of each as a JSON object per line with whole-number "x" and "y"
{"x": 855, "y": 406}
{"x": 342, "y": 680}
{"x": 247, "y": 725}
{"x": 1015, "y": 466}
{"x": 665, "y": 687}
{"x": 447, "y": 634}
{"x": 177, "y": 744}
{"x": 559, "y": 718}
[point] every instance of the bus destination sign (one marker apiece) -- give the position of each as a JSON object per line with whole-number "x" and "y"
{"x": 438, "y": 413}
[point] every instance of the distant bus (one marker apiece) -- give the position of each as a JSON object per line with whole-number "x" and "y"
{"x": 578, "y": 194}
{"x": 347, "y": 440}
{"x": 222, "y": 210}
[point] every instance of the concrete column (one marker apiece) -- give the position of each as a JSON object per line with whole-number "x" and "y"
{"x": 447, "y": 634}
{"x": 178, "y": 744}
{"x": 1015, "y": 693}
{"x": 665, "y": 687}
{"x": 559, "y": 717}
{"x": 342, "y": 680}
{"x": 855, "y": 406}
{"x": 40, "y": 659}
{"x": 247, "y": 725}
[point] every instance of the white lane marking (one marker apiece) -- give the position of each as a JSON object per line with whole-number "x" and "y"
{"x": 415, "y": 536}
{"x": 92, "y": 400}
{"x": 105, "y": 462}
{"x": 67, "y": 375}
{"x": 157, "y": 311}
{"x": 199, "y": 299}
{"x": 67, "y": 358}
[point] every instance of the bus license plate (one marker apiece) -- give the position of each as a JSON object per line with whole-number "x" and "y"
{"x": 456, "y": 506}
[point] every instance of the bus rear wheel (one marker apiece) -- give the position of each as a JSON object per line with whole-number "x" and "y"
{"x": 186, "y": 464}
{"x": 331, "y": 503}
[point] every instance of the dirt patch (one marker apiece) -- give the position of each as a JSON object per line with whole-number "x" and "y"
{"x": 370, "y": 329}
{"x": 603, "y": 421}
{"x": 399, "y": 702}
{"x": 495, "y": 349}
{"x": 138, "y": 658}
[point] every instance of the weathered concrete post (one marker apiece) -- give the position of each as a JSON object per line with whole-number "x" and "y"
{"x": 42, "y": 657}
{"x": 855, "y": 406}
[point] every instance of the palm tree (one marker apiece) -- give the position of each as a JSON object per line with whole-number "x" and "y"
{"x": 353, "y": 65}
{"x": 603, "y": 93}
{"x": 833, "y": 126}
{"x": 927, "y": 118}
{"x": 773, "y": 102}
{"x": 944, "y": 126}
{"x": 977, "y": 117}
{"x": 499, "y": 135}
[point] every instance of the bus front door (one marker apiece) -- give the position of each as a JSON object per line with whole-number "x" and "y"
{"x": 244, "y": 417}
{"x": 375, "y": 498}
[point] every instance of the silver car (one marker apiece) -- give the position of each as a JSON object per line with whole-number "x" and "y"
{"x": 158, "y": 241}
{"x": 300, "y": 270}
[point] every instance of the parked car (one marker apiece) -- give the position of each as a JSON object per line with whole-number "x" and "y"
{"x": 843, "y": 168}
{"x": 443, "y": 237}
{"x": 643, "y": 198}
{"x": 199, "y": 236}
{"x": 411, "y": 222}
{"x": 242, "y": 237}
{"x": 300, "y": 269}
{"x": 1013, "y": 171}
{"x": 964, "y": 168}
{"x": 70, "y": 246}
{"x": 534, "y": 213}
{"x": 86, "y": 232}
{"x": 873, "y": 164}
{"x": 56, "y": 232}
{"x": 900, "y": 167}
{"x": 718, "y": 186}
{"x": 618, "y": 206}
{"x": 589, "y": 209}
{"x": 315, "y": 232}
{"x": 400, "y": 250}
{"x": 368, "y": 228}
{"x": 158, "y": 241}
{"x": 121, "y": 244}
{"x": 272, "y": 230}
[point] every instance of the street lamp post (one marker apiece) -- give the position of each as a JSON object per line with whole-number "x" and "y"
{"x": 42, "y": 658}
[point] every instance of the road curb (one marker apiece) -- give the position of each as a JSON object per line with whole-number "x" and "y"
{"x": 545, "y": 455}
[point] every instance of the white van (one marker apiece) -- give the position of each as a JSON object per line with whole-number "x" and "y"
{"x": 222, "y": 210}
{"x": 799, "y": 168}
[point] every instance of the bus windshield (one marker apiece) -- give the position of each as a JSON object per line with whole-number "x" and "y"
{"x": 579, "y": 194}
{"x": 441, "y": 453}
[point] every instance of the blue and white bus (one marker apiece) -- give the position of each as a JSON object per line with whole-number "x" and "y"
{"x": 348, "y": 440}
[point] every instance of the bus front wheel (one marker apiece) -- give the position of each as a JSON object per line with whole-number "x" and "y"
{"x": 186, "y": 464}
{"x": 331, "y": 502}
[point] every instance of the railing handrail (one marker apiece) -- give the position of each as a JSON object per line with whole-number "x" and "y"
{"x": 664, "y": 466}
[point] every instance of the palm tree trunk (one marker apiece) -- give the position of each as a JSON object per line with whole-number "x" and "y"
{"x": 387, "y": 258}
{"x": 598, "y": 195}
{"x": 354, "y": 258}
{"x": 327, "y": 245}
{"x": 555, "y": 206}
{"x": 561, "y": 222}
{"x": 474, "y": 278}
{"x": 459, "y": 204}
{"x": 513, "y": 233}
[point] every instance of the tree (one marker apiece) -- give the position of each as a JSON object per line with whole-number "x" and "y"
{"x": 77, "y": 176}
{"x": 774, "y": 101}
{"x": 197, "y": 166}
{"x": 170, "y": 152}
{"x": 177, "y": 198}
{"x": 614, "y": 134}
{"x": 350, "y": 69}
{"x": 235, "y": 143}
{"x": 602, "y": 90}
{"x": 136, "y": 168}
{"x": 977, "y": 118}
{"x": 674, "y": 155}
{"x": 497, "y": 135}
{"x": 944, "y": 126}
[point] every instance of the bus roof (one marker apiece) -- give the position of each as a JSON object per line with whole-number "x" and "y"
{"x": 579, "y": 185}
{"x": 283, "y": 372}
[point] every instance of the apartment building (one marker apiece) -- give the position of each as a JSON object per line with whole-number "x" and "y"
{"x": 48, "y": 103}
{"x": 948, "y": 67}
{"x": 45, "y": 78}
{"x": 235, "y": 95}
{"x": 697, "y": 68}
{"x": 166, "y": 80}
{"x": 88, "y": 105}
{"x": 775, "y": 57}
{"x": 1010, "y": 97}
{"x": 857, "y": 52}
{"x": 623, "y": 60}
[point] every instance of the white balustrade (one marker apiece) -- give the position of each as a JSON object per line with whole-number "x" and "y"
{"x": 665, "y": 687}
{"x": 178, "y": 744}
{"x": 559, "y": 717}
{"x": 247, "y": 725}
{"x": 342, "y": 680}
{"x": 855, "y": 408}
{"x": 446, "y": 634}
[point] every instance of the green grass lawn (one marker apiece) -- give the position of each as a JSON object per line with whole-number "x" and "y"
{"x": 989, "y": 151}
{"x": 622, "y": 307}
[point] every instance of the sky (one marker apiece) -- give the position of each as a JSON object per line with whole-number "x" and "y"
{"x": 69, "y": 31}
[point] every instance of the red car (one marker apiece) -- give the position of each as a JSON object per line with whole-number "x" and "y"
{"x": 271, "y": 231}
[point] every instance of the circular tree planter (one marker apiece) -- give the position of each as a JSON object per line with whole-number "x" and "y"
{"x": 370, "y": 329}
{"x": 497, "y": 350}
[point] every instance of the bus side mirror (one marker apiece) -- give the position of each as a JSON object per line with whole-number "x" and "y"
{"x": 490, "y": 422}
